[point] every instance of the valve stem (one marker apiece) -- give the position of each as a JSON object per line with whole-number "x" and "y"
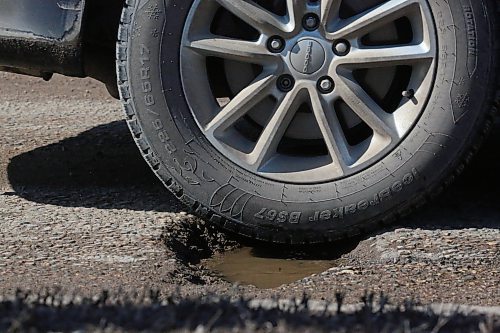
{"x": 410, "y": 93}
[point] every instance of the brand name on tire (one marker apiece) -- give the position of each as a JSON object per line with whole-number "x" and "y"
{"x": 470, "y": 22}
{"x": 381, "y": 196}
{"x": 340, "y": 212}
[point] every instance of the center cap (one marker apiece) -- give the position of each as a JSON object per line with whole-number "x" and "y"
{"x": 308, "y": 56}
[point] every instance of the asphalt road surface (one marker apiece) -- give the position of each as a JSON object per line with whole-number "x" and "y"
{"x": 79, "y": 209}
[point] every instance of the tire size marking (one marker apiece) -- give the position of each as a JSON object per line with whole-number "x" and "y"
{"x": 145, "y": 75}
{"x": 149, "y": 99}
{"x": 266, "y": 214}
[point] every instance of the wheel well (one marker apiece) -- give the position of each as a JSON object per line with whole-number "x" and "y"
{"x": 99, "y": 36}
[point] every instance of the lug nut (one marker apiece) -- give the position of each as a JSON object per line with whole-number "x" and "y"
{"x": 326, "y": 85}
{"x": 286, "y": 83}
{"x": 311, "y": 22}
{"x": 276, "y": 44}
{"x": 341, "y": 48}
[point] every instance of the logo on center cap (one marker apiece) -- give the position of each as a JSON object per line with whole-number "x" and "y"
{"x": 307, "y": 56}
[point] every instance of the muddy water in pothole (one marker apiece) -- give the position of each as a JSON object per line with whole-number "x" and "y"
{"x": 244, "y": 266}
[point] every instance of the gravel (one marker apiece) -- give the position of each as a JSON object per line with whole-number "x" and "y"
{"x": 79, "y": 209}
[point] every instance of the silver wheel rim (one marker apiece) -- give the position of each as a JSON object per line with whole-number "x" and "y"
{"x": 286, "y": 123}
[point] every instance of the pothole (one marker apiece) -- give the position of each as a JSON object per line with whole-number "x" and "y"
{"x": 247, "y": 266}
{"x": 206, "y": 255}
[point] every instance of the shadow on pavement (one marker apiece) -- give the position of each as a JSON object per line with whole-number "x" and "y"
{"x": 99, "y": 168}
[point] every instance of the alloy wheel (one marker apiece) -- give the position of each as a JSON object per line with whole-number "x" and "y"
{"x": 307, "y": 91}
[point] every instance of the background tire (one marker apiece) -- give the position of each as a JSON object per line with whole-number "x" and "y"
{"x": 444, "y": 137}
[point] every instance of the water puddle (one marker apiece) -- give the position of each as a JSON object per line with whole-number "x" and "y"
{"x": 249, "y": 267}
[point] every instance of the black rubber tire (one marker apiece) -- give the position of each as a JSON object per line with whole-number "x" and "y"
{"x": 451, "y": 129}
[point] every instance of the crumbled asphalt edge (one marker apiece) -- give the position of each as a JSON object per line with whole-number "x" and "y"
{"x": 191, "y": 240}
{"x": 55, "y": 311}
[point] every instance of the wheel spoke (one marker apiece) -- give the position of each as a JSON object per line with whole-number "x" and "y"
{"x": 329, "y": 11}
{"x": 387, "y": 56}
{"x": 296, "y": 10}
{"x": 366, "y": 108}
{"x": 241, "y": 104}
{"x": 274, "y": 131}
{"x": 256, "y": 16}
{"x": 233, "y": 49}
{"x": 332, "y": 132}
{"x": 372, "y": 19}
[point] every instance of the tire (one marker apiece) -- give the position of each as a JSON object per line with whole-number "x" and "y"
{"x": 454, "y": 116}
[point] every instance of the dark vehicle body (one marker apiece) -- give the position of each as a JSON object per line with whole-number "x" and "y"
{"x": 69, "y": 37}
